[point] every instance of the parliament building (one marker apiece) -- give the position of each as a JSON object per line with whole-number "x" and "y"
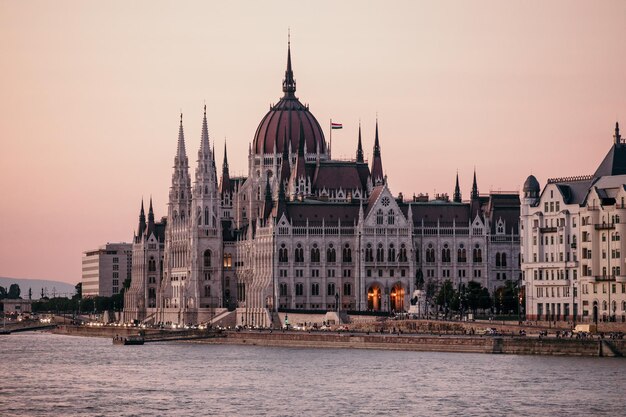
{"x": 304, "y": 232}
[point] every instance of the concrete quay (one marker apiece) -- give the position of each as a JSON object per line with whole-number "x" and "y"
{"x": 429, "y": 343}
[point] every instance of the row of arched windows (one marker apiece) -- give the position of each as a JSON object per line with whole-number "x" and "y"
{"x": 331, "y": 253}
{"x": 380, "y": 217}
{"x": 391, "y": 254}
{"x": 500, "y": 259}
{"x": 446, "y": 254}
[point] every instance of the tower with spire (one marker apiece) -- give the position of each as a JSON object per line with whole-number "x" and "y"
{"x": 457, "y": 191}
{"x": 377, "y": 163}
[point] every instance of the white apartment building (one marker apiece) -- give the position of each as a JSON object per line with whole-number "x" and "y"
{"x": 105, "y": 269}
{"x": 572, "y": 246}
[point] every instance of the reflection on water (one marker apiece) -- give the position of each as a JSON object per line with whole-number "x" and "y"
{"x": 44, "y": 374}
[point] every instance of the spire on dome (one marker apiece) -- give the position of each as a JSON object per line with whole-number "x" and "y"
{"x": 457, "y": 190}
{"x": 267, "y": 204}
{"x": 285, "y": 169}
{"x": 359, "y": 149}
{"x": 617, "y": 136}
{"x": 289, "y": 84}
{"x": 204, "y": 141}
{"x": 474, "y": 187}
{"x": 377, "y": 163}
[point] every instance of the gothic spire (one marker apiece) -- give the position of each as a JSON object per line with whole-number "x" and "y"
{"x": 289, "y": 84}
{"x": 474, "y": 187}
{"x": 225, "y": 183}
{"x": 181, "y": 152}
{"x": 142, "y": 221}
{"x": 359, "y": 149}
{"x": 377, "y": 163}
{"x": 285, "y": 171}
{"x": 617, "y": 136}
{"x": 150, "y": 218}
{"x": 204, "y": 141}
{"x": 267, "y": 204}
{"x": 457, "y": 190}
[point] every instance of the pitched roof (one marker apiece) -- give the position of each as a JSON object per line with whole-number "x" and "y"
{"x": 614, "y": 163}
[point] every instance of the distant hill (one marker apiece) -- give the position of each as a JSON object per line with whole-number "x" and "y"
{"x": 61, "y": 289}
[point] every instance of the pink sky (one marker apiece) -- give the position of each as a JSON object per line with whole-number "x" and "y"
{"x": 91, "y": 93}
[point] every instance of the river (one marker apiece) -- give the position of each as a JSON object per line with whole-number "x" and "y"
{"x": 53, "y": 375}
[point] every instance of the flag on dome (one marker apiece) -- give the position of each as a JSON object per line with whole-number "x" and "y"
{"x": 334, "y": 125}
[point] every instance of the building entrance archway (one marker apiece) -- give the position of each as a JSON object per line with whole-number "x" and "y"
{"x": 397, "y": 298}
{"x": 374, "y": 298}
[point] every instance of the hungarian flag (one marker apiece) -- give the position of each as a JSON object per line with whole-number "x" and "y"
{"x": 334, "y": 125}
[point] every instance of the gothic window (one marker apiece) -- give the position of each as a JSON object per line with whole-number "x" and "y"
{"x": 500, "y": 228}
{"x": 299, "y": 253}
{"x": 461, "y": 254}
{"x": 498, "y": 263}
{"x": 282, "y": 254}
{"x": 380, "y": 253}
{"x": 391, "y": 217}
{"x": 391, "y": 253}
{"x": 283, "y": 289}
{"x": 315, "y": 253}
{"x": 207, "y": 258}
{"x": 369, "y": 253}
{"x": 243, "y": 213}
{"x": 315, "y": 289}
{"x": 207, "y": 290}
{"x": 477, "y": 254}
{"x": 445, "y": 253}
{"x": 228, "y": 260}
{"x": 430, "y": 253}
{"x": 347, "y": 253}
{"x": 379, "y": 217}
{"x": 331, "y": 255}
{"x": 152, "y": 264}
{"x": 206, "y": 216}
{"x": 347, "y": 289}
{"x": 503, "y": 259}
{"x": 402, "y": 256}
{"x": 299, "y": 289}
{"x": 331, "y": 289}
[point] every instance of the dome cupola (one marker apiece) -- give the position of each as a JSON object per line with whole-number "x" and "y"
{"x": 531, "y": 187}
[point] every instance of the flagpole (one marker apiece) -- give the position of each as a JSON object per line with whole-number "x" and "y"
{"x": 330, "y": 147}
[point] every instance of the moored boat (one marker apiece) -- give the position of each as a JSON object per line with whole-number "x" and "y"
{"x": 128, "y": 340}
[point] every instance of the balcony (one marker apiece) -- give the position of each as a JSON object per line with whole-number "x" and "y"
{"x": 547, "y": 229}
{"x": 605, "y": 226}
{"x": 604, "y": 278}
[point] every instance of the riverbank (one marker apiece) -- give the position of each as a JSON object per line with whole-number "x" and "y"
{"x": 516, "y": 345}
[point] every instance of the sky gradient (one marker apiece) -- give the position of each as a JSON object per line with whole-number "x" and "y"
{"x": 91, "y": 95}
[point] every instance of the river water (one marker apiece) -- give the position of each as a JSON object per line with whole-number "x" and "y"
{"x": 52, "y": 375}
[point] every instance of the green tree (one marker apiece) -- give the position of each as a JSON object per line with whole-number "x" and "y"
{"x": 79, "y": 290}
{"x": 484, "y": 301}
{"x": 445, "y": 296}
{"x": 419, "y": 279}
{"x": 14, "y": 292}
{"x": 3, "y": 293}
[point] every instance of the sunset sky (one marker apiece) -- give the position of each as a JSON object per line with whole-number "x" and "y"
{"x": 91, "y": 94}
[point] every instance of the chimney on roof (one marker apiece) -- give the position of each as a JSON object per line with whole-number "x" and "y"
{"x": 617, "y": 136}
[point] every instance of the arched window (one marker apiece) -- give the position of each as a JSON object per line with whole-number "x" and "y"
{"x": 391, "y": 217}
{"x": 282, "y": 254}
{"x": 391, "y": 253}
{"x": 206, "y": 216}
{"x": 461, "y": 254}
{"x": 445, "y": 253}
{"x": 497, "y": 258}
{"x": 380, "y": 253}
{"x": 151, "y": 264}
{"x": 283, "y": 289}
{"x": 207, "y": 258}
{"x": 299, "y": 289}
{"x": 503, "y": 259}
{"x": 315, "y": 253}
{"x": 477, "y": 254}
{"x": 207, "y": 290}
{"x": 369, "y": 253}
{"x": 228, "y": 260}
{"x": 430, "y": 253}
{"x": 347, "y": 289}
{"x": 331, "y": 289}
{"x": 299, "y": 253}
{"x": 347, "y": 253}
{"x": 315, "y": 288}
{"x": 331, "y": 255}
{"x": 402, "y": 256}
{"x": 379, "y": 217}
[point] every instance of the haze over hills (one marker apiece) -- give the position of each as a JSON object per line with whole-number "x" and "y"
{"x": 51, "y": 288}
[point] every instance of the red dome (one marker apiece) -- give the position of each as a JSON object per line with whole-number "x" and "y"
{"x": 286, "y": 118}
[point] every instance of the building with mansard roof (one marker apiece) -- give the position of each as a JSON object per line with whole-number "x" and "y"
{"x": 303, "y": 232}
{"x": 572, "y": 243}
